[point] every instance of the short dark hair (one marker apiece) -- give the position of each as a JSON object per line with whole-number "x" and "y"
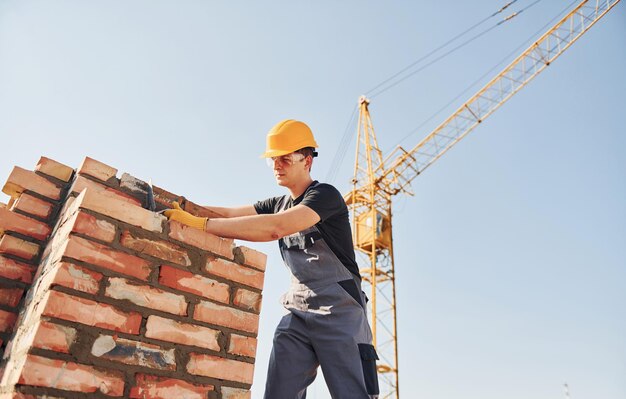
{"x": 308, "y": 151}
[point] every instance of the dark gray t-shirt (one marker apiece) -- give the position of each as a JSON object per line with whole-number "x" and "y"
{"x": 334, "y": 224}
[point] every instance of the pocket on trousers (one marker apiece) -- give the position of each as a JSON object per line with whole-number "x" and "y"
{"x": 351, "y": 288}
{"x": 368, "y": 361}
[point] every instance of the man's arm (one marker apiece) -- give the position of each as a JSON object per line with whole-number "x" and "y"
{"x": 269, "y": 227}
{"x": 232, "y": 212}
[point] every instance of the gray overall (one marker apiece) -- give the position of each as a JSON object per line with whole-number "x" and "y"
{"x": 326, "y": 326}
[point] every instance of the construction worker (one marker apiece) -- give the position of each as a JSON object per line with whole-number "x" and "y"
{"x": 327, "y": 320}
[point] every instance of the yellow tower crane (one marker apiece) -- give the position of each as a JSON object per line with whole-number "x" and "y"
{"x": 378, "y": 179}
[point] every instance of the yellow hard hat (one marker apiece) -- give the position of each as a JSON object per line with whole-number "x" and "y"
{"x": 288, "y": 136}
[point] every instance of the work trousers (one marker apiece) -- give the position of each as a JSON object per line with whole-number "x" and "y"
{"x": 326, "y": 326}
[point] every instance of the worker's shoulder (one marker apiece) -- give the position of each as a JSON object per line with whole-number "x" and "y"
{"x": 324, "y": 193}
{"x": 324, "y": 188}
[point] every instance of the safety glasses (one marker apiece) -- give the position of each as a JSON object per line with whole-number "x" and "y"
{"x": 285, "y": 160}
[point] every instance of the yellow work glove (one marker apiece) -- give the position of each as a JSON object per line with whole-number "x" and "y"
{"x": 185, "y": 217}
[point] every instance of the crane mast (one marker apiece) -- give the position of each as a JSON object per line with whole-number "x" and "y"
{"x": 371, "y": 228}
{"x": 377, "y": 179}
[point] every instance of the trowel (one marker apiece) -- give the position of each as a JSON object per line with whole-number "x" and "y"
{"x": 151, "y": 204}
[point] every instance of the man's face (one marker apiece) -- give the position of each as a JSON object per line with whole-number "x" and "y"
{"x": 289, "y": 168}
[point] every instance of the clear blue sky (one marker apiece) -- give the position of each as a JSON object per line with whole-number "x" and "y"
{"x": 511, "y": 258}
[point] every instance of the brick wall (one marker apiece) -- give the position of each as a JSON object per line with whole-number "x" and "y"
{"x": 102, "y": 298}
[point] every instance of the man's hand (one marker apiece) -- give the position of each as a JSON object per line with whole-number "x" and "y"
{"x": 185, "y": 217}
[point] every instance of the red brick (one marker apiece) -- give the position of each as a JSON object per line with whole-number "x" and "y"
{"x": 158, "y": 249}
{"x": 10, "y": 296}
{"x": 81, "y": 183}
{"x": 16, "y": 246}
{"x": 54, "y": 337}
{"x": 225, "y": 316}
{"x": 235, "y": 393}
{"x": 39, "y": 396}
{"x": 77, "y": 278}
{"x": 7, "y": 320}
{"x": 53, "y": 168}
{"x": 14, "y": 270}
{"x": 68, "y": 209}
{"x": 19, "y": 395}
{"x": 100, "y": 255}
{"x": 164, "y": 197}
{"x": 22, "y": 179}
{"x": 11, "y": 221}
{"x": 91, "y": 313}
{"x": 130, "y": 183}
{"x": 70, "y": 376}
{"x": 253, "y": 258}
{"x": 218, "y": 367}
{"x": 234, "y": 272}
{"x": 201, "y": 239}
{"x": 109, "y": 205}
{"x": 193, "y": 283}
{"x": 144, "y": 295}
{"x": 93, "y": 227}
{"x": 182, "y": 333}
{"x": 240, "y": 345}
{"x": 97, "y": 169}
{"x": 53, "y": 251}
{"x": 246, "y": 299}
{"x": 135, "y": 353}
{"x": 33, "y": 206}
{"x": 153, "y": 387}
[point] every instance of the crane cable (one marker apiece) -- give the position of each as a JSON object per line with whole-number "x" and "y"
{"x": 506, "y": 19}
{"x": 346, "y": 137}
{"x": 400, "y": 72}
{"x": 488, "y": 73}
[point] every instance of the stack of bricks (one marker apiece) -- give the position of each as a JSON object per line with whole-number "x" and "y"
{"x": 101, "y": 298}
